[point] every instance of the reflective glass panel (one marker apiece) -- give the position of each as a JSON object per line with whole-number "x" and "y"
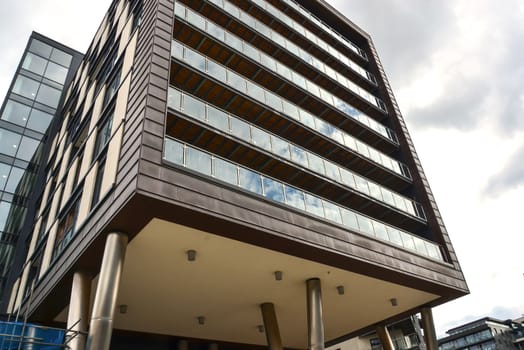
{"x": 4, "y": 174}
{"x": 16, "y": 113}
{"x": 195, "y": 59}
{"x": 39, "y": 121}
{"x": 380, "y": 231}
{"x": 314, "y": 205}
{"x": 48, "y": 96}
{"x": 194, "y": 107}
{"x": 56, "y": 72}
{"x": 198, "y": 161}
{"x": 394, "y": 235}
{"x": 236, "y": 81}
{"x": 225, "y": 171}
{"x": 240, "y": 129}
{"x": 349, "y": 219}
{"x": 28, "y": 148}
{"x": 273, "y": 101}
{"x": 34, "y": 63}
{"x": 294, "y": 197}
{"x": 347, "y": 178}
{"x": 174, "y": 151}
{"x": 332, "y": 171}
{"x": 215, "y": 30}
{"x": 365, "y": 225}
{"x": 173, "y": 99}
{"x": 407, "y": 240}
{"x": 9, "y": 142}
{"x": 299, "y": 156}
{"x": 40, "y": 48}
{"x": 255, "y": 91}
{"x": 261, "y": 138}
{"x": 316, "y": 163}
{"x": 273, "y": 190}
{"x": 280, "y": 147}
{"x": 249, "y": 180}
{"x": 14, "y": 180}
{"x": 217, "y": 118}
{"x": 26, "y": 87}
{"x": 216, "y": 71}
{"x": 332, "y": 212}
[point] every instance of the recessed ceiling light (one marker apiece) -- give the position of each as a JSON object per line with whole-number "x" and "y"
{"x": 278, "y": 275}
{"x": 191, "y": 255}
{"x": 340, "y": 290}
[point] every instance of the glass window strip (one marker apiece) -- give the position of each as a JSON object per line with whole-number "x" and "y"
{"x": 314, "y": 204}
{"x": 353, "y": 47}
{"x": 248, "y": 50}
{"x": 268, "y": 33}
{"x": 286, "y": 150}
{"x": 239, "y": 83}
{"x": 331, "y": 51}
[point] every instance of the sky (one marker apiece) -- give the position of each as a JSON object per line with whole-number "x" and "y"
{"x": 457, "y": 70}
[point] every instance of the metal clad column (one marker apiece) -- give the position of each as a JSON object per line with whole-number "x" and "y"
{"x": 385, "y": 338}
{"x": 428, "y": 325}
{"x": 269, "y": 316}
{"x": 77, "y": 318}
{"x": 101, "y": 325}
{"x": 314, "y": 315}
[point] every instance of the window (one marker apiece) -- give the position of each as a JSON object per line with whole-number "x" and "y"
{"x": 103, "y": 135}
{"x": 16, "y": 113}
{"x": 34, "y": 64}
{"x": 9, "y": 142}
{"x": 66, "y": 227}
{"x": 26, "y": 87}
{"x": 29, "y": 150}
{"x": 48, "y": 96}
{"x": 98, "y": 182}
{"x": 40, "y": 48}
{"x": 39, "y": 121}
{"x": 56, "y": 72}
{"x": 112, "y": 88}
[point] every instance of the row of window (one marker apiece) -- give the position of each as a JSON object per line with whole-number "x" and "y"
{"x": 230, "y": 173}
{"x": 275, "y": 66}
{"x": 297, "y": 51}
{"x": 104, "y": 70}
{"x": 326, "y": 28}
{"x": 268, "y": 98}
{"x": 467, "y": 340}
{"x": 23, "y": 115}
{"x": 232, "y": 125}
{"x": 294, "y": 25}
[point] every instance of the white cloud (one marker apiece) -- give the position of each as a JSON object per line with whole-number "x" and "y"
{"x": 457, "y": 69}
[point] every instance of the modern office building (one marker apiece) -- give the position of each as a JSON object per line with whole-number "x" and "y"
{"x": 485, "y": 334}
{"x": 232, "y": 174}
{"x": 25, "y": 116}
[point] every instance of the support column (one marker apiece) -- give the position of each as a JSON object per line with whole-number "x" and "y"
{"x": 269, "y": 316}
{"x": 101, "y": 325}
{"x": 314, "y": 315}
{"x": 182, "y": 345}
{"x": 428, "y": 325}
{"x": 385, "y": 338}
{"x": 77, "y": 319}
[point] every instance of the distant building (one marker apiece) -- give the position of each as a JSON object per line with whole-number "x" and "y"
{"x": 485, "y": 334}
{"x": 405, "y": 335}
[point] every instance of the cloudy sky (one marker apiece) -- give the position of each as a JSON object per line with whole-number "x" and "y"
{"x": 457, "y": 69}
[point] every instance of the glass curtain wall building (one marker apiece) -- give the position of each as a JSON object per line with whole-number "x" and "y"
{"x": 219, "y": 165}
{"x": 25, "y": 116}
